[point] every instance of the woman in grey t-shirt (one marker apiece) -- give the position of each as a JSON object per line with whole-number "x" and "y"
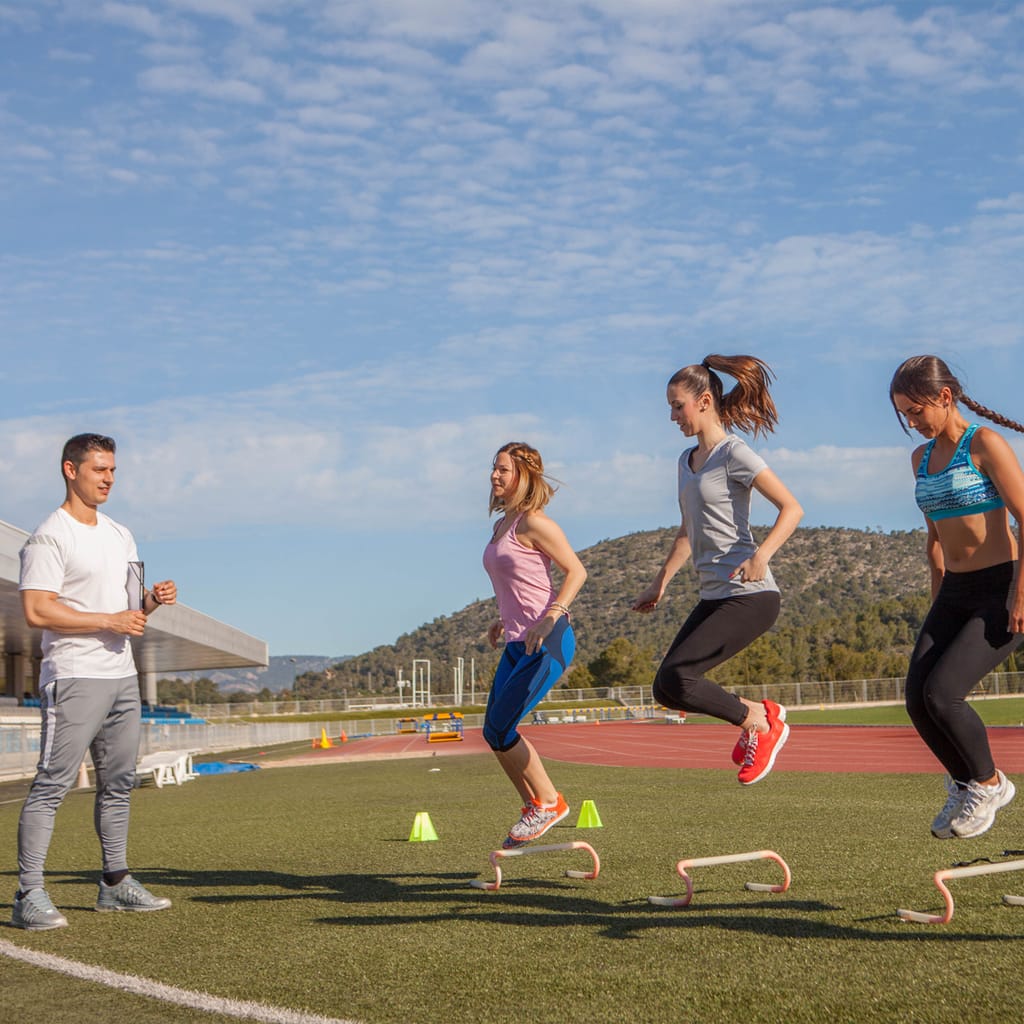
{"x": 738, "y": 597}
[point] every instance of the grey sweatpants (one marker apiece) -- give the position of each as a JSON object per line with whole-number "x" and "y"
{"x": 99, "y": 715}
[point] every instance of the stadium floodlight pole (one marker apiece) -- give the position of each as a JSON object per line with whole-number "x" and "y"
{"x": 728, "y": 858}
{"x": 424, "y": 681}
{"x": 458, "y": 673}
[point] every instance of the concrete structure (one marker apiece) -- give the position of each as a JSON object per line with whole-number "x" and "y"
{"x": 178, "y": 639}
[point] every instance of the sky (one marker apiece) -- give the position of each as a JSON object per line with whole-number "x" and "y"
{"x": 312, "y": 262}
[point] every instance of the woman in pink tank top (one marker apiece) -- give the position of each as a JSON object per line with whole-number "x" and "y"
{"x": 534, "y": 618}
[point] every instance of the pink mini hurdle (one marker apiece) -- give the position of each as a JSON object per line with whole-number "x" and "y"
{"x": 941, "y": 877}
{"x": 728, "y": 858}
{"x": 522, "y": 851}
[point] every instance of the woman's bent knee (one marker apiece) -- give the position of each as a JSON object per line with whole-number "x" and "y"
{"x": 671, "y": 692}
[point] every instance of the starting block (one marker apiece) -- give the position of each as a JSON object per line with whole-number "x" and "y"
{"x": 728, "y": 858}
{"x": 940, "y": 879}
{"x": 497, "y": 855}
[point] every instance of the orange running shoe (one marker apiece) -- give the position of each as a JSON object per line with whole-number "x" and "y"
{"x": 536, "y": 820}
{"x": 740, "y": 750}
{"x": 763, "y": 747}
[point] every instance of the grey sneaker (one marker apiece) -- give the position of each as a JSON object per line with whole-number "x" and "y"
{"x": 978, "y": 812}
{"x": 536, "y": 820}
{"x": 35, "y": 912}
{"x": 129, "y": 894}
{"x": 954, "y": 802}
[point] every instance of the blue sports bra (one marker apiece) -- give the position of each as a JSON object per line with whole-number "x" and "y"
{"x": 960, "y": 489}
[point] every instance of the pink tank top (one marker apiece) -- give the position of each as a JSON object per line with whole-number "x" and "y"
{"x": 521, "y": 578}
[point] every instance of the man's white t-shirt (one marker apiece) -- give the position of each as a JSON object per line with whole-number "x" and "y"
{"x": 87, "y": 567}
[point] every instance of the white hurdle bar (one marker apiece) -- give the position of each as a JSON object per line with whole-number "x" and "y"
{"x": 728, "y": 858}
{"x": 941, "y": 877}
{"x": 497, "y": 855}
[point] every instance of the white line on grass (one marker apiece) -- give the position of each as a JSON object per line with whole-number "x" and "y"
{"x": 168, "y": 993}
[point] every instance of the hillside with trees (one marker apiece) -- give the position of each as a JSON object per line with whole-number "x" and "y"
{"x": 852, "y": 602}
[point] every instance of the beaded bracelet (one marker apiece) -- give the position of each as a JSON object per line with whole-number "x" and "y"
{"x": 561, "y": 608}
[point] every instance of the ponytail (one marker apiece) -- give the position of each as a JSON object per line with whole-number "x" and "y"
{"x": 748, "y": 406}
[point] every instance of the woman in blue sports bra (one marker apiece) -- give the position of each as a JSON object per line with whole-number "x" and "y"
{"x": 967, "y": 481}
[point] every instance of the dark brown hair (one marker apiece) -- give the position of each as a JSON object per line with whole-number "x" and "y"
{"x": 921, "y": 378}
{"x": 78, "y": 447}
{"x": 748, "y": 406}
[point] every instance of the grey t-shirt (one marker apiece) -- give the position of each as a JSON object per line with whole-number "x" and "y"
{"x": 715, "y": 503}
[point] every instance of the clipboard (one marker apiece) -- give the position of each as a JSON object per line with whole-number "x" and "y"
{"x": 135, "y": 585}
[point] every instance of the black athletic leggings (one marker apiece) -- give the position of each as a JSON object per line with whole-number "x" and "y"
{"x": 963, "y": 638}
{"x": 714, "y": 632}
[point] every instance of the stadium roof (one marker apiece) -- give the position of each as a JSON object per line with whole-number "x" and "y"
{"x": 178, "y": 638}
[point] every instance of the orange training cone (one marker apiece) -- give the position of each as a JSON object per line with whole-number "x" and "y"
{"x": 343, "y": 737}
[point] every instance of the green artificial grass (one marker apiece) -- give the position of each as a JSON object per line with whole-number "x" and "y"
{"x": 298, "y": 887}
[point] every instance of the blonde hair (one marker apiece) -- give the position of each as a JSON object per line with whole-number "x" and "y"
{"x": 533, "y": 490}
{"x": 922, "y": 378}
{"x": 748, "y": 406}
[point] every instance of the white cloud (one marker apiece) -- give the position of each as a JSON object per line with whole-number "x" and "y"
{"x": 134, "y": 16}
{"x": 183, "y": 78}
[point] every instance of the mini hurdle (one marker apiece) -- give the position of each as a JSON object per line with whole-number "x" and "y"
{"x": 941, "y": 877}
{"x": 497, "y": 855}
{"x": 728, "y": 858}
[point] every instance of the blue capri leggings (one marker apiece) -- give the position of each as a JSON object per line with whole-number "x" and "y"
{"x": 521, "y": 682}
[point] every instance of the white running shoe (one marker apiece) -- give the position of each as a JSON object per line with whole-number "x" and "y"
{"x": 957, "y": 793}
{"x": 34, "y": 911}
{"x": 978, "y": 812}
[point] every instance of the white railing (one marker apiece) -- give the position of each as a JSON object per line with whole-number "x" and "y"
{"x": 828, "y": 692}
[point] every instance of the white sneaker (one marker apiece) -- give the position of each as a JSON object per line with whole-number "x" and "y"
{"x": 35, "y": 912}
{"x": 954, "y": 802}
{"x": 978, "y": 812}
{"x": 128, "y": 894}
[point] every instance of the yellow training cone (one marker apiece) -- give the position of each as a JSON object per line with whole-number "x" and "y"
{"x": 422, "y": 829}
{"x": 589, "y": 818}
{"x": 325, "y": 740}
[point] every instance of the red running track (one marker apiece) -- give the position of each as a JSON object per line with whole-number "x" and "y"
{"x": 811, "y": 748}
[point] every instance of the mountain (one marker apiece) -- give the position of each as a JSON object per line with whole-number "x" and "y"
{"x": 852, "y": 602}
{"x": 278, "y": 675}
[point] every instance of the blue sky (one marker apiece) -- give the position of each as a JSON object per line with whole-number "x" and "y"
{"x": 313, "y": 262}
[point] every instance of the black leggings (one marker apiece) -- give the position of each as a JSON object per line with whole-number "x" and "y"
{"x": 964, "y": 637}
{"x": 714, "y": 632}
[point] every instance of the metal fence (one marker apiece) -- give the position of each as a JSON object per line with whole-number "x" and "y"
{"x": 827, "y": 692}
{"x": 19, "y": 741}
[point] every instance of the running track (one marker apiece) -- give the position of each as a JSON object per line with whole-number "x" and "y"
{"x": 811, "y": 748}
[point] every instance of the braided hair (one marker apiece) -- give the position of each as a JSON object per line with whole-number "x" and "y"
{"x": 533, "y": 490}
{"x": 921, "y": 378}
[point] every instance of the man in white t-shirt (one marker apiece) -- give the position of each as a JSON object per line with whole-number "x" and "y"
{"x": 81, "y": 584}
